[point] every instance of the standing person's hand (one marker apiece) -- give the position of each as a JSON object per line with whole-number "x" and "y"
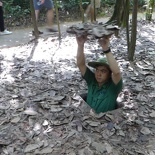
{"x": 81, "y": 39}
{"x": 42, "y": 1}
{"x": 104, "y": 42}
{"x": 1, "y": 4}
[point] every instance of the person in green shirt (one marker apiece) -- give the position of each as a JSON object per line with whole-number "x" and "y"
{"x": 105, "y": 83}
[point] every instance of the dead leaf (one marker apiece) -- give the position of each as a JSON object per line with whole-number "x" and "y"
{"x": 30, "y": 111}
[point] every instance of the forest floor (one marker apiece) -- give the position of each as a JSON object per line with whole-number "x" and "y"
{"x": 41, "y": 112}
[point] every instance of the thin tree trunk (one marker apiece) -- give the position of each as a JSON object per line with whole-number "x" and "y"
{"x": 94, "y": 11}
{"x": 34, "y": 22}
{"x": 126, "y": 14}
{"x": 133, "y": 31}
{"x": 57, "y": 15}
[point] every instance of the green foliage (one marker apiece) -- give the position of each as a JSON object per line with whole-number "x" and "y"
{"x": 85, "y": 3}
{"x": 108, "y": 2}
{"x": 24, "y": 4}
{"x": 149, "y": 9}
{"x": 151, "y": 3}
{"x": 141, "y": 3}
{"x": 69, "y": 5}
{"x": 14, "y": 10}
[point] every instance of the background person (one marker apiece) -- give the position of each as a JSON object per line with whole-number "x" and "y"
{"x": 3, "y": 31}
{"x": 90, "y": 10}
{"x": 48, "y": 4}
{"x": 105, "y": 83}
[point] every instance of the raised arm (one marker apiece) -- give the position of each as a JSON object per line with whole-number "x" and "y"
{"x": 116, "y": 75}
{"x": 42, "y": 1}
{"x": 80, "y": 58}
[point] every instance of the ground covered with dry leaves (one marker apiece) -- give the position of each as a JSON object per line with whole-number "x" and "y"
{"x": 41, "y": 113}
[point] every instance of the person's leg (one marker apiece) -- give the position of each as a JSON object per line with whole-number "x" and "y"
{"x": 87, "y": 12}
{"x": 50, "y": 15}
{"x": 37, "y": 14}
{"x": 92, "y": 10}
{"x": 3, "y": 31}
{"x": 37, "y": 11}
{"x": 97, "y": 4}
{"x": 92, "y": 13}
{"x": 36, "y": 8}
{"x": 1, "y": 19}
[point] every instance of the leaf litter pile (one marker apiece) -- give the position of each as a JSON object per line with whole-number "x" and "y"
{"x": 41, "y": 111}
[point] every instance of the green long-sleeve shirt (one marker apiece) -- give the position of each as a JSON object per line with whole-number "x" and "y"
{"x": 104, "y": 98}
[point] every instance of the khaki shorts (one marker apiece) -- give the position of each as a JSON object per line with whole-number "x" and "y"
{"x": 97, "y": 3}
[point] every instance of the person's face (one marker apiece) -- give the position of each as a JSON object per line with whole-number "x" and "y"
{"x": 102, "y": 74}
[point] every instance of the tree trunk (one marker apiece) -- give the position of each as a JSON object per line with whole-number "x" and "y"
{"x": 133, "y": 31}
{"x": 34, "y": 22}
{"x": 126, "y": 12}
{"x": 94, "y": 11}
{"x": 118, "y": 12}
{"x": 57, "y": 15}
{"x": 121, "y": 13}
